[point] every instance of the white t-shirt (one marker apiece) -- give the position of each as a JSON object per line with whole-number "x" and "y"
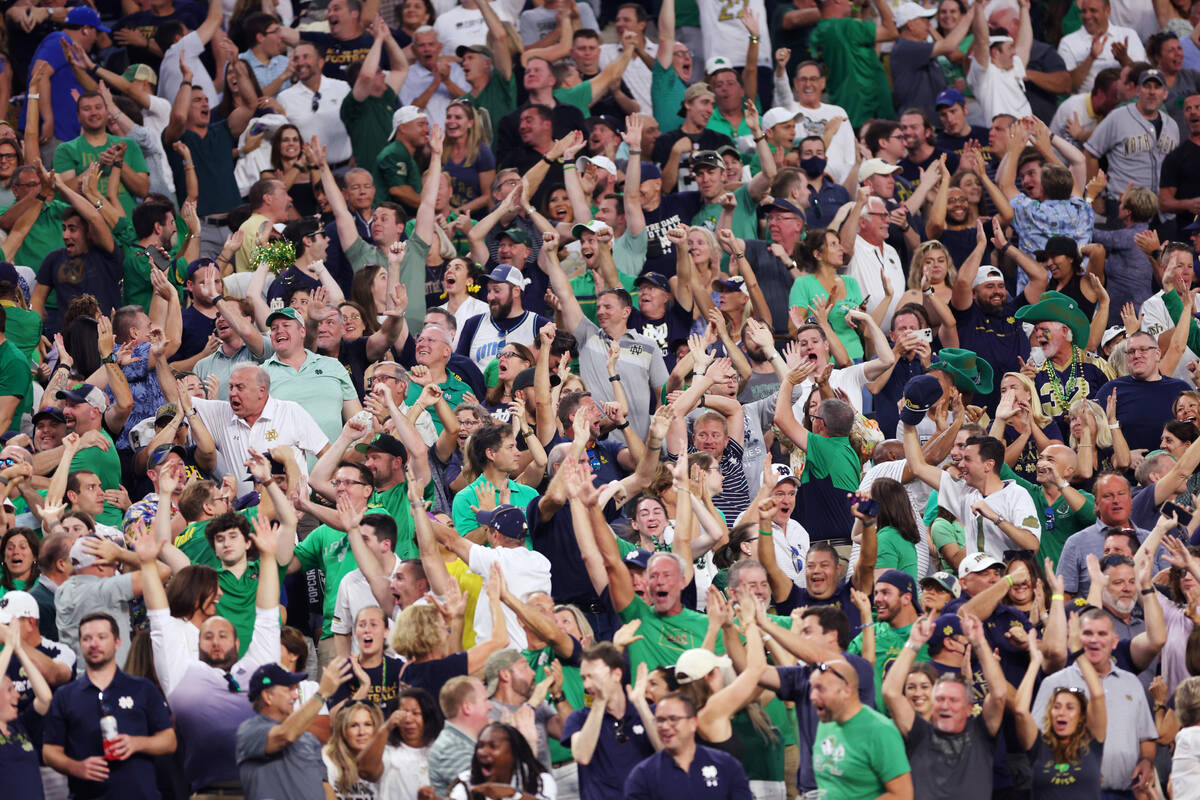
{"x": 524, "y": 571}
{"x": 1074, "y": 49}
{"x": 725, "y": 35}
{"x": 170, "y": 78}
{"x": 405, "y": 771}
{"x": 1185, "y": 765}
{"x": 471, "y": 307}
{"x": 1012, "y": 503}
{"x": 867, "y": 265}
{"x": 851, "y": 380}
{"x": 1156, "y": 322}
{"x": 465, "y": 26}
{"x": 353, "y": 595}
{"x": 637, "y": 74}
{"x": 1000, "y": 91}
{"x": 1077, "y": 106}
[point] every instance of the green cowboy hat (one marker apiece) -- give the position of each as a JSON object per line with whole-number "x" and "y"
{"x": 969, "y": 372}
{"x": 1057, "y": 307}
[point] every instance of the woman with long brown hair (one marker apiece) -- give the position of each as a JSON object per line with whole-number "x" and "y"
{"x": 1070, "y": 745}
{"x": 513, "y": 359}
{"x": 289, "y": 165}
{"x": 354, "y": 726}
{"x": 468, "y": 162}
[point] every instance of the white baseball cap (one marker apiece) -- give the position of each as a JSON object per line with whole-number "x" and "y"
{"x": 404, "y": 115}
{"x": 602, "y": 162}
{"x": 977, "y": 562}
{"x": 18, "y": 605}
{"x": 777, "y": 115}
{"x": 875, "y": 166}
{"x": 907, "y": 12}
{"x": 717, "y": 64}
{"x": 987, "y": 275}
{"x": 694, "y": 664}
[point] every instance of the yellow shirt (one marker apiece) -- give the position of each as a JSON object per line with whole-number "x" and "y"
{"x": 470, "y": 584}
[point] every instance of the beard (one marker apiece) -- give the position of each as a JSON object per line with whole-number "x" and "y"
{"x": 500, "y": 310}
{"x": 225, "y": 664}
{"x": 1121, "y": 606}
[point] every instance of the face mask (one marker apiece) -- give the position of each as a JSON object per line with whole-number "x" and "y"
{"x": 813, "y": 167}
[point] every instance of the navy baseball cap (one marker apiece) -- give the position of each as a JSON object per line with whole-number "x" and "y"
{"x": 52, "y": 412}
{"x": 269, "y": 675}
{"x": 650, "y": 171}
{"x": 200, "y": 263}
{"x": 779, "y": 204}
{"x": 507, "y": 520}
{"x": 943, "y": 626}
{"x": 85, "y": 393}
{"x": 8, "y": 273}
{"x": 160, "y": 453}
{"x": 920, "y": 393}
{"x": 638, "y": 558}
{"x": 904, "y": 582}
{"x": 653, "y": 278}
{"x": 949, "y": 97}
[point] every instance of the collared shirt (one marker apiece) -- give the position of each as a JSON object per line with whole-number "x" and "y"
{"x": 296, "y": 772}
{"x": 222, "y": 366}
{"x": 712, "y": 774}
{"x": 419, "y": 79}
{"x": 265, "y": 73}
{"x": 326, "y": 121}
{"x": 73, "y": 723}
{"x": 1129, "y": 719}
{"x": 282, "y": 422}
{"x": 868, "y": 266}
{"x": 320, "y": 386}
{"x": 604, "y": 775}
{"x": 451, "y": 754}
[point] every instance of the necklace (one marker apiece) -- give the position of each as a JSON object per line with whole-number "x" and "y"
{"x": 1059, "y": 390}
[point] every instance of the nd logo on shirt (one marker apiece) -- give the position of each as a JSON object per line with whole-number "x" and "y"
{"x": 830, "y": 755}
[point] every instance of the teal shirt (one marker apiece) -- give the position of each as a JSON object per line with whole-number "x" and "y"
{"x": 807, "y": 290}
{"x": 321, "y": 385}
{"x": 666, "y": 95}
{"x": 520, "y": 496}
{"x": 745, "y": 216}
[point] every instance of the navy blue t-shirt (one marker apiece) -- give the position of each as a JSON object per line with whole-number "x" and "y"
{"x": 196, "y": 330}
{"x": 675, "y": 325}
{"x": 1142, "y": 407}
{"x": 794, "y": 684}
{"x": 840, "y": 598}
{"x": 887, "y": 412}
{"x": 19, "y": 758}
{"x": 997, "y": 339}
{"x": 673, "y": 210}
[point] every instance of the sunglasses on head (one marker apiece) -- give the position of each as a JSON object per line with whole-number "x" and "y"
{"x": 825, "y": 666}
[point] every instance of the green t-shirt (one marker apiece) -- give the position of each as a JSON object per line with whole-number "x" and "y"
{"x": 520, "y": 496}
{"x": 857, "y": 81}
{"x": 579, "y": 96}
{"x": 664, "y": 638}
{"x": 137, "y": 289}
{"x": 896, "y": 552}
{"x": 806, "y": 290}
{"x": 193, "y": 543}
{"x": 16, "y": 380}
{"x": 687, "y": 14}
{"x": 666, "y": 96}
{"x": 852, "y": 760}
{"x": 106, "y": 464}
{"x": 572, "y": 689}
{"x": 498, "y": 97}
{"x": 45, "y": 236}
{"x": 889, "y": 642}
{"x": 368, "y": 123}
{"x": 944, "y": 532}
{"x": 763, "y": 758}
{"x": 23, "y": 328}
{"x": 328, "y": 550}
{"x": 77, "y": 155}
{"x": 237, "y": 601}
{"x": 395, "y": 502}
{"x": 745, "y": 215}
{"x": 1059, "y": 521}
{"x": 395, "y": 167}
{"x": 832, "y": 458}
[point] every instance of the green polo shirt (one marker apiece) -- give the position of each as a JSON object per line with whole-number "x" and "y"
{"x": 664, "y": 638}
{"x": 889, "y": 642}
{"x": 395, "y": 167}
{"x": 395, "y": 501}
{"x": 453, "y": 388}
{"x": 666, "y": 96}
{"x": 78, "y": 155}
{"x": 328, "y": 550}
{"x": 106, "y": 464}
{"x": 745, "y": 215}
{"x": 23, "y": 328}
{"x": 321, "y": 385}
{"x": 16, "y": 380}
{"x": 1059, "y": 522}
{"x": 238, "y": 600}
{"x": 499, "y": 97}
{"x": 369, "y": 124}
{"x": 520, "y": 496}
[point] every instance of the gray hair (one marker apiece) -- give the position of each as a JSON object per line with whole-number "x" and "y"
{"x": 838, "y": 416}
{"x": 678, "y": 559}
{"x": 1152, "y": 464}
{"x": 734, "y": 576}
{"x": 260, "y": 375}
{"x": 445, "y": 333}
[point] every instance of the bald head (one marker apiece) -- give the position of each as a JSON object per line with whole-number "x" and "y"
{"x": 218, "y": 643}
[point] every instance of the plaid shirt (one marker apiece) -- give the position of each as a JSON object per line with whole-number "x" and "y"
{"x": 1036, "y": 221}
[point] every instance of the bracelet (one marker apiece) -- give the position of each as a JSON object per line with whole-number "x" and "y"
{"x": 568, "y": 166}
{"x": 740, "y": 255}
{"x": 34, "y": 96}
{"x": 108, "y": 359}
{"x": 268, "y": 482}
{"x": 760, "y": 137}
{"x": 195, "y": 413}
{"x": 1010, "y": 580}
{"x": 637, "y": 152}
{"x": 1147, "y": 591}
{"x": 1005, "y": 246}
{"x": 1054, "y": 597}
{"x": 614, "y": 379}
{"x": 524, "y": 434}
{"x": 187, "y": 164}
{"x": 1112, "y": 426}
{"x": 912, "y": 646}
{"x": 623, "y": 425}
{"x": 319, "y": 696}
{"x": 754, "y": 39}
{"x": 558, "y": 698}
{"x": 761, "y": 532}
{"x": 549, "y": 160}
{"x": 1155, "y": 255}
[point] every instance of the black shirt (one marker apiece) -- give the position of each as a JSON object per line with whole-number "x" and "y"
{"x": 567, "y": 118}
{"x": 95, "y": 272}
{"x": 341, "y": 55}
{"x": 1043, "y": 58}
{"x": 1181, "y": 169}
{"x": 196, "y": 330}
{"x": 674, "y": 209}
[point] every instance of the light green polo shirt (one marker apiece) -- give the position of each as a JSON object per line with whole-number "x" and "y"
{"x": 238, "y": 600}
{"x": 321, "y": 385}
{"x": 465, "y": 521}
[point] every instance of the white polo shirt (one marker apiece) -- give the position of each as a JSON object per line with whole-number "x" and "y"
{"x": 282, "y": 422}
{"x": 326, "y": 121}
{"x": 524, "y": 571}
{"x": 867, "y": 265}
{"x": 1074, "y": 49}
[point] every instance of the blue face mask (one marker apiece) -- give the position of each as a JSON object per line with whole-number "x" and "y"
{"x": 813, "y": 167}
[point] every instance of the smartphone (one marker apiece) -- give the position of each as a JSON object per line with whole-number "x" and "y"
{"x": 863, "y": 305}
{"x": 257, "y": 128}
{"x": 926, "y": 334}
{"x": 866, "y": 507}
{"x": 157, "y": 257}
{"x": 1182, "y": 515}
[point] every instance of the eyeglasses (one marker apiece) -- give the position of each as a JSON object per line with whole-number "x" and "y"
{"x": 509, "y": 354}
{"x": 9, "y": 157}
{"x": 372, "y": 380}
{"x": 670, "y": 719}
{"x": 316, "y": 101}
{"x": 825, "y": 666}
{"x": 1011, "y": 554}
{"x": 1137, "y": 350}
{"x": 338, "y": 483}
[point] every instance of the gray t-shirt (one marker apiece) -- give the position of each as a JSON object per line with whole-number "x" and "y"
{"x": 943, "y": 763}
{"x": 81, "y": 595}
{"x": 536, "y": 23}
{"x": 297, "y": 772}
{"x": 916, "y": 76}
{"x": 640, "y": 366}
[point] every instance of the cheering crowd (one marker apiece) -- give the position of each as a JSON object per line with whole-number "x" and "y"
{"x": 558, "y": 399}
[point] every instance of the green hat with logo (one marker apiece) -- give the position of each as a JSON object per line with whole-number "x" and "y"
{"x": 969, "y": 372}
{"x": 1057, "y": 307}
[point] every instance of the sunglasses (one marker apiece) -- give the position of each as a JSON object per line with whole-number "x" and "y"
{"x": 619, "y": 730}
{"x": 316, "y": 103}
{"x": 826, "y": 667}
